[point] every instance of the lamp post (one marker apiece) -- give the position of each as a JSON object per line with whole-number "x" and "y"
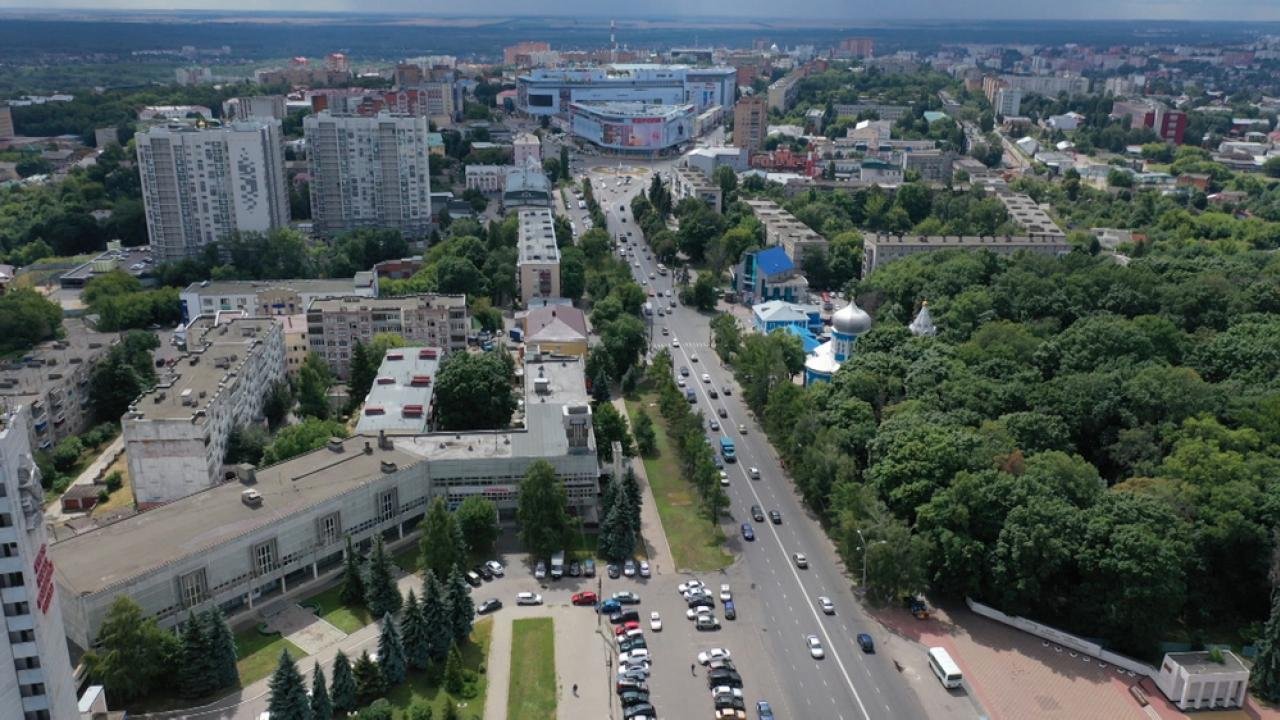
{"x": 864, "y": 549}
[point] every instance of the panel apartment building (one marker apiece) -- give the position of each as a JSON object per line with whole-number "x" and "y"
{"x": 369, "y": 172}
{"x": 175, "y": 435}
{"x": 783, "y": 229}
{"x": 203, "y": 185}
{"x": 263, "y": 298}
{"x": 335, "y": 324}
{"x": 538, "y": 266}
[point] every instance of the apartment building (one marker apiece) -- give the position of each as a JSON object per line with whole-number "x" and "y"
{"x": 254, "y": 107}
{"x": 175, "y": 435}
{"x": 879, "y": 249}
{"x": 264, "y": 298}
{"x": 750, "y": 123}
{"x": 538, "y": 266}
{"x": 334, "y": 325}
{"x": 369, "y": 172}
{"x": 527, "y": 148}
{"x": 203, "y": 185}
{"x": 36, "y": 681}
{"x": 782, "y": 93}
{"x": 783, "y": 229}
{"x": 296, "y": 344}
{"x": 691, "y": 182}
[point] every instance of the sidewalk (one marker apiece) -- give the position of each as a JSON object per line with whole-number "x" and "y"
{"x": 54, "y": 513}
{"x": 656, "y": 547}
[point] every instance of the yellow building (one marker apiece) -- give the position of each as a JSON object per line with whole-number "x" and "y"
{"x": 558, "y": 329}
{"x": 295, "y": 342}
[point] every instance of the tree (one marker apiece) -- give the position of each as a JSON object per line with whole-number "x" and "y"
{"x": 295, "y": 440}
{"x": 610, "y": 427}
{"x": 276, "y": 404}
{"x": 473, "y": 392}
{"x": 321, "y": 705}
{"x": 370, "y": 684}
{"x": 1264, "y": 680}
{"x": 1272, "y": 167}
{"x": 453, "y": 680}
{"x": 195, "y": 670}
{"x": 381, "y": 595}
{"x": 564, "y": 162}
{"x": 222, "y": 646}
{"x": 361, "y": 373}
{"x": 727, "y": 335}
{"x": 27, "y": 318}
{"x": 413, "y": 632}
{"x": 121, "y": 376}
{"x": 646, "y": 438}
{"x": 313, "y": 384}
{"x": 437, "y": 616}
{"x": 132, "y": 654}
{"x": 344, "y": 684}
{"x": 391, "y": 659}
{"x": 462, "y": 611}
{"x": 379, "y": 709}
{"x": 703, "y": 294}
{"x": 544, "y": 523}
{"x": 287, "y": 693}
{"x": 439, "y": 546}
{"x": 352, "y": 592}
{"x": 246, "y": 444}
{"x": 419, "y": 710}
{"x": 477, "y": 518}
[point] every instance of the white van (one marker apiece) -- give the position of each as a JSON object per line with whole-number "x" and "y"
{"x": 945, "y": 668}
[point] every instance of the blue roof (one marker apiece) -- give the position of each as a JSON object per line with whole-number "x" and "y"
{"x": 773, "y": 261}
{"x": 807, "y": 339}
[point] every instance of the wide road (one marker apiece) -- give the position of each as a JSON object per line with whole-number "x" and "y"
{"x": 847, "y": 684}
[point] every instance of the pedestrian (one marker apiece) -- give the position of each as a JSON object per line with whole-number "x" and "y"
{"x": 575, "y": 689}
{"x": 692, "y": 671}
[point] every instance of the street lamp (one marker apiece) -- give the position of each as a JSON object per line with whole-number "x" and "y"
{"x": 863, "y": 548}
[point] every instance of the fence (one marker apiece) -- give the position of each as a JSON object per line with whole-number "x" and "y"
{"x": 1064, "y": 639}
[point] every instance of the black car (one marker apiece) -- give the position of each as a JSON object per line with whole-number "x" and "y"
{"x": 727, "y": 700}
{"x": 636, "y": 643}
{"x": 776, "y": 517}
{"x": 575, "y": 569}
{"x": 643, "y": 709}
{"x": 488, "y": 606}
{"x": 626, "y": 684}
{"x": 589, "y": 568}
{"x": 730, "y": 610}
{"x": 712, "y": 392}
{"x": 722, "y": 413}
{"x": 701, "y": 601}
{"x": 866, "y": 643}
{"x": 620, "y": 617}
{"x": 747, "y": 532}
{"x": 615, "y": 572}
{"x": 633, "y": 697}
{"x": 473, "y": 579}
{"x": 757, "y": 513}
{"x": 483, "y": 572}
{"x": 718, "y": 678}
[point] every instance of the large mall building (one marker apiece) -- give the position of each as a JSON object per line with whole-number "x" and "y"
{"x": 552, "y": 91}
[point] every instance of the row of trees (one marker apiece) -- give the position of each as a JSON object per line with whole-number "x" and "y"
{"x": 120, "y": 303}
{"x": 686, "y": 428}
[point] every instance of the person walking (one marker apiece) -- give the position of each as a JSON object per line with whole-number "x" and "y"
{"x": 692, "y": 669}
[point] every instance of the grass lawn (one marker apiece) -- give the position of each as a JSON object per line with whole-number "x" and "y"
{"x": 419, "y": 687}
{"x": 346, "y": 619}
{"x": 407, "y": 558}
{"x": 693, "y": 547}
{"x": 122, "y": 498}
{"x": 260, "y": 653}
{"x": 532, "y": 694}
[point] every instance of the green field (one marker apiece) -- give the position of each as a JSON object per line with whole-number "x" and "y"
{"x": 260, "y": 653}
{"x": 695, "y": 543}
{"x": 532, "y": 694}
{"x": 347, "y": 619}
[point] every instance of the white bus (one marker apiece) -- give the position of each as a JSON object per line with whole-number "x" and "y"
{"x": 945, "y": 668}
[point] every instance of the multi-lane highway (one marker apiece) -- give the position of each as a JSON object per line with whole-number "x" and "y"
{"x": 847, "y": 684}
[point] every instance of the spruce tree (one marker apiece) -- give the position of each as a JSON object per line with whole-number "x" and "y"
{"x": 370, "y": 684}
{"x": 321, "y": 705}
{"x": 436, "y": 615}
{"x": 288, "y": 693}
{"x": 631, "y": 493}
{"x": 344, "y": 684}
{"x": 1265, "y": 677}
{"x": 381, "y": 594}
{"x": 391, "y": 658}
{"x": 352, "y": 592}
{"x": 195, "y": 669}
{"x": 413, "y": 634}
{"x": 462, "y": 611}
{"x": 453, "y": 671}
{"x": 222, "y": 648}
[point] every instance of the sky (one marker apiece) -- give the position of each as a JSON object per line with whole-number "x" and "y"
{"x": 852, "y": 10}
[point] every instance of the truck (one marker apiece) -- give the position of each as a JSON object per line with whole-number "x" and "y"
{"x": 557, "y": 565}
{"x": 727, "y": 450}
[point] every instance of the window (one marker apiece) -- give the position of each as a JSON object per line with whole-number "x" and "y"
{"x": 330, "y": 529}
{"x": 264, "y": 557}
{"x": 193, "y": 588}
{"x": 387, "y": 505}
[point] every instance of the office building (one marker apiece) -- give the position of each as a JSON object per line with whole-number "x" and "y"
{"x": 251, "y": 107}
{"x": 750, "y": 123}
{"x": 334, "y": 325}
{"x": 400, "y": 399}
{"x": 36, "y": 681}
{"x": 369, "y": 172}
{"x": 691, "y": 182}
{"x": 538, "y": 267}
{"x": 783, "y": 229}
{"x": 552, "y": 91}
{"x": 769, "y": 274}
{"x": 1008, "y": 102}
{"x": 527, "y": 148}
{"x": 175, "y": 434}
{"x": 203, "y": 185}
{"x": 263, "y": 298}
{"x": 879, "y": 249}
{"x": 632, "y": 127}
{"x": 6, "y": 123}
{"x": 280, "y": 531}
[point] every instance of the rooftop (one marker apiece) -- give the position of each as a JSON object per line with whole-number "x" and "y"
{"x": 133, "y": 260}
{"x": 571, "y": 319}
{"x": 964, "y": 240}
{"x": 32, "y": 372}
{"x": 1198, "y": 663}
{"x": 335, "y": 286}
{"x": 774, "y": 261}
{"x": 537, "y": 237}
{"x": 633, "y": 109}
{"x": 400, "y": 398}
{"x": 353, "y": 303}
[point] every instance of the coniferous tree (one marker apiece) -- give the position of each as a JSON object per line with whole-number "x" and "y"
{"x": 442, "y": 545}
{"x": 343, "y": 695}
{"x": 370, "y": 684}
{"x": 631, "y": 493}
{"x": 195, "y": 669}
{"x": 391, "y": 660}
{"x": 321, "y": 705}
{"x": 437, "y": 617}
{"x": 413, "y": 634}
{"x": 462, "y": 611}
{"x": 222, "y": 648}
{"x": 288, "y": 693}
{"x": 352, "y": 592}
{"x": 1265, "y": 676}
{"x": 381, "y": 594}
{"x": 453, "y": 671}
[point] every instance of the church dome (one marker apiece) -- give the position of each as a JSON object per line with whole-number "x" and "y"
{"x": 851, "y": 320}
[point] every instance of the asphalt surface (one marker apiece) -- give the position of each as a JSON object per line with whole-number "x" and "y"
{"x": 777, "y": 601}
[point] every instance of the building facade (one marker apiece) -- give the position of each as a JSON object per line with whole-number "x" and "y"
{"x": 538, "y": 266}
{"x": 254, "y": 107}
{"x": 36, "y": 681}
{"x": 750, "y": 123}
{"x": 203, "y": 185}
{"x": 691, "y": 182}
{"x": 551, "y": 91}
{"x": 486, "y": 178}
{"x": 6, "y": 123}
{"x": 526, "y": 148}
{"x": 628, "y": 127}
{"x": 264, "y": 298}
{"x": 783, "y": 229}
{"x": 879, "y": 249}
{"x": 334, "y": 325}
{"x": 369, "y": 172}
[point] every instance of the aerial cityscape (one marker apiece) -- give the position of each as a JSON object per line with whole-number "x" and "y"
{"x": 408, "y": 361}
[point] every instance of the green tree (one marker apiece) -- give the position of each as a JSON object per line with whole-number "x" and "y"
{"x": 27, "y": 318}
{"x": 564, "y": 162}
{"x": 419, "y": 710}
{"x": 413, "y": 631}
{"x": 379, "y": 709}
{"x": 453, "y": 678}
{"x": 646, "y": 438}
{"x": 437, "y": 616}
{"x": 132, "y": 654}
{"x": 727, "y": 335}
{"x": 119, "y": 378}
{"x": 474, "y": 392}
{"x": 195, "y": 670}
{"x": 382, "y": 597}
{"x": 462, "y": 611}
{"x": 295, "y": 440}
{"x": 344, "y": 684}
{"x": 321, "y": 705}
{"x": 352, "y": 591}
{"x": 1264, "y": 680}
{"x": 370, "y": 685}
{"x": 276, "y": 404}
{"x": 246, "y": 444}
{"x": 544, "y": 522}
{"x": 313, "y": 384}
{"x": 1272, "y": 167}
{"x": 440, "y": 546}
{"x": 222, "y": 647}
{"x": 477, "y": 518}
{"x": 611, "y": 427}
{"x": 703, "y": 293}
{"x": 391, "y": 659}
{"x": 287, "y": 692}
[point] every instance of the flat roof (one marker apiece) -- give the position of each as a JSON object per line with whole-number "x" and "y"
{"x": 537, "y": 237}
{"x": 400, "y": 398}
{"x": 965, "y": 240}
{"x": 1198, "y": 663}
{"x": 28, "y": 374}
{"x": 404, "y": 302}
{"x": 247, "y": 287}
{"x": 124, "y": 259}
{"x": 633, "y": 109}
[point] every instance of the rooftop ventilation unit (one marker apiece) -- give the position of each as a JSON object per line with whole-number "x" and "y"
{"x": 252, "y": 498}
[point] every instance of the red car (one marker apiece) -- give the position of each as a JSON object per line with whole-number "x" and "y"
{"x": 584, "y": 598}
{"x": 624, "y": 627}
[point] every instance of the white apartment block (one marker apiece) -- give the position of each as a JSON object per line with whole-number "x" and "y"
{"x": 175, "y": 435}
{"x": 692, "y": 182}
{"x": 203, "y": 185}
{"x": 487, "y": 178}
{"x": 36, "y": 682}
{"x": 369, "y": 172}
{"x": 527, "y": 147}
{"x": 538, "y": 266}
{"x": 1008, "y": 102}
{"x": 254, "y": 106}
{"x": 262, "y": 298}
{"x": 782, "y": 228}
{"x": 334, "y": 325}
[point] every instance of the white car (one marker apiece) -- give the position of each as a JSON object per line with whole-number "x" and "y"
{"x": 528, "y": 598}
{"x": 496, "y": 568}
{"x": 693, "y": 357}
{"x": 706, "y": 378}
{"x": 644, "y": 569}
{"x": 827, "y": 606}
{"x": 742, "y": 429}
{"x": 754, "y": 472}
{"x": 726, "y": 690}
{"x": 707, "y": 656}
{"x": 684, "y": 587}
{"x": 680, "y": 382}
{"x": 693, "y": 612}
{"x": 725, "y": 593}
{"x": 635, "y": 657}
{"x": 655, "y": 621}
{"x": 675, "y": 342}
{"x": 815, "y": 647}
{"x": 724, "y": 478}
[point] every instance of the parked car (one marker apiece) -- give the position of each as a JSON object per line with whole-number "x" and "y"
{"x": 626, "y": 597}
{"x": 626, "y": 684}
{"x": 540, "y": 571}
{"x": 866, "y": 643}
{"x": 472, "y": 579}
{"x": 609, "y": 607}
{"x": 636, "y": 712}
{"x": 629, "y": 698}
{"x": 575, "y": 569}
{"x": 706, "y": 621}
{"x": 632, "y": 643}
{"x": 685, "y": 587}
{"x": 644, "y": 569}
{"x": 584, "y": 598}
{"x": 763, "y": 711}
{"x": 614, "y": 571}
{"x": 693, "y": 612}
{"x": 528, "y": 598}
{"x": 729, "y": 678}
{"x": 488, "y": 606}
{"x": 483, "y": 571}
{"x": 618, "y": 618}
{"x": 710, "y": 654}
{"x": 725, "y": 592}
{"x": 588, "y": 568}
{"x": 625, "y": 628}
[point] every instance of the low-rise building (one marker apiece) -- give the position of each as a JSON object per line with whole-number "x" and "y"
{"x": 262, "y": 298}
{"x": 689, "y": 182}
{"x": 1028, "y": 214}
{"x": 707, "y": 159}
{"x": 932, "y": 165}
{"x": 1203, "y": 679}
{"x": 137, "y": 261}
{"x": 526, "y": 186}
{"x": 526, "y": 147}
{"x": 780, "y": 314}
{"x": 486, "y": 178}
{"x": 538, "y": 266}
{"x": 555, "y": 330}
{"x": 175, "y": 435}
{"x": 769, "y": 274}
{"x": 880, "y": 249}
{"x": 400, "y": 399}
{"x": 334, "y": 325}
{"x": 882, "y": 111}
{"x": 782, "y": 228}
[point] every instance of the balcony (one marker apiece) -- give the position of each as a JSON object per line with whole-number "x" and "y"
{"x": 14, "y": 594}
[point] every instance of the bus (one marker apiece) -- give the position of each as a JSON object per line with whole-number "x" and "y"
{"x": 727, "y": 450}
{"x": 945, "y": 668}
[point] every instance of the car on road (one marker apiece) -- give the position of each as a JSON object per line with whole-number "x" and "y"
{"x": 666, "y": 331}
{"x": 680, "y": 382}
{"x": 815, "y": 647}
{"x": 757, "y": 513}
{"x": 775, "y": 517}
{"x": 528, "y": 598}
{"x": 801, "y": 561}
{"x": 827, "y": 606}
{"x": 675, "y": 342}
{"x": 626, "y": 597}
{"x": 655, "y": 621}
{"x": 722, "y": 412}
{"x": 763, "y": 711}
{"x": 706, "y": 378}
{"x": 755, "y": 475}
{"x": 742, "y": 428}
{"x": 714, "y": 425}
{"x": 711, "y": 392}
{"x": 726, "y": 390}
{"x": 584, "y": 598}
{"x": 644, "y": 569}
{"x": 684, "y": 371}
{"x": 748, "y": 534}
{"x": 496, "y": 568}
{"x": 724, "y": 478}
{"x": 540, "y": 571}
{"x": 866, "y": 643}
{"x": 710, "y": 654}
{"x": 614, "y": 571}
{"x": 706, "y": 621}
{"x": 693, "y": 357}
{"x": 488, "y": 606}
{"x": 629, "y": 568}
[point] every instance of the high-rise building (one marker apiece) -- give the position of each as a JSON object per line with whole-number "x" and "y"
{"x": 35, "y": 670}
{"x": 254, "y": 106}
{"x": 369, "y": 172}
{"x": 860, "y": 47}
{"x": 511, "y": 55}
{"x": 203, "y": 185}
{"x": 750, "y": 123}
{"x": 1008, "y": 102}
{"x": 6, "y": 122}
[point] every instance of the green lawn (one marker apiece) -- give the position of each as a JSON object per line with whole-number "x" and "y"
{"x": 474, "y": 656}
{"x": 260, "y": 653}
{"x": 407, "y": 558}
{"x": 532, "y": 694}
{"x": 695, "y": 544}
{"x": 347, "y": 619}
